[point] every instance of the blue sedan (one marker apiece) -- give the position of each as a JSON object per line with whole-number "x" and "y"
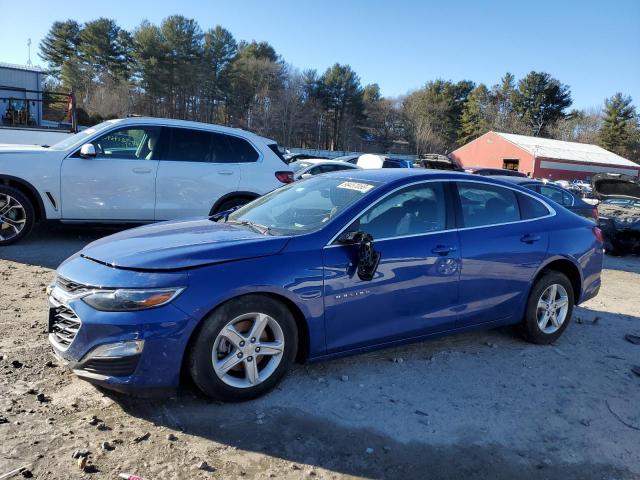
{"x": 333, "y": 265}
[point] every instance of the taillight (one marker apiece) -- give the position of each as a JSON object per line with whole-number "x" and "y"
{"x": 284, "y": 177}
{"x": 598, "y": 234}
{"x": 594, "y": 212}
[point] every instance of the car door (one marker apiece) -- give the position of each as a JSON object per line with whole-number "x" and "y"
{"x": 415, "y": 289}
{"x": 194, "y": 172}
{"x": 118, "y": 183}
{"x": 502, "y": 244}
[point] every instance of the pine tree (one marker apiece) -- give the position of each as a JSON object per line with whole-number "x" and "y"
{"x": 59, "y": 46}
{"x": 540, "y": 100}
{"x": 620, "y": 125}
{"x": 474, "y": 121}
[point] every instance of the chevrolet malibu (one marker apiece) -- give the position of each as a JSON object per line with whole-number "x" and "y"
{"x": 333, "y": 265}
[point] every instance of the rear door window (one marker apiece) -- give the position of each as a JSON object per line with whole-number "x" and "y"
{"x": 188, "y": 145}
{"x": 484, "y": 204}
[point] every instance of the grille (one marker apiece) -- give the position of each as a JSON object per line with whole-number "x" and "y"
{"x": 71, "y": 287}
{"x": 63, "y": 324}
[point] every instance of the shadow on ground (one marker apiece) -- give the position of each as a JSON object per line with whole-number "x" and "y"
{"x": 50, "y": 244}
{"x": 298, "y": 437}
{"x": 628, "y": 263}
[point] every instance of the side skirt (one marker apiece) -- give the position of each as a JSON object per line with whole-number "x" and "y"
{"x": 406, "y": 341}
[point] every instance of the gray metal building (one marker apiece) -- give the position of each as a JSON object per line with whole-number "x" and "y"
{"x": 20, "y": 90}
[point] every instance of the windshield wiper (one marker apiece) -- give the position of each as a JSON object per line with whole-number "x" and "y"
{"x": 224, "y": 216}
{"x": 258, "y": 227}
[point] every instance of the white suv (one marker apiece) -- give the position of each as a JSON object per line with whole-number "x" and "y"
{"x": 135, "y": 170}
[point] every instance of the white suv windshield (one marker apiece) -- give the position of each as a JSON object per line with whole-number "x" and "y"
{"x": 80, "y": 137}
{"x": 301, "y": 207}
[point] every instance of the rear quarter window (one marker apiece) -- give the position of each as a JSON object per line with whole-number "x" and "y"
{"x": 275, "y": 149}
{"x": 242, "y": 151}
{"x": 531, "y": 208}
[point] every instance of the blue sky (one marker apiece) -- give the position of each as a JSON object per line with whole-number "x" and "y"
{"x": 593, "y": 46}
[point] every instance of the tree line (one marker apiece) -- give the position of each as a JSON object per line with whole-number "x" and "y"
{"x": 178, "y": 70}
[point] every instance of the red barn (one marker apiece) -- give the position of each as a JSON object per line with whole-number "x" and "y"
{"x": 542, "y": 157}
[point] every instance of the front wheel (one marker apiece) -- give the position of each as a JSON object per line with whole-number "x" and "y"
{"x": 244, "y": 348}
{"x": 549, "y": 309}
{"x": 17, "y": 215}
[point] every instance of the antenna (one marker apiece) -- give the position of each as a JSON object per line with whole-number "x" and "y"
{"x": 29, "y": 47}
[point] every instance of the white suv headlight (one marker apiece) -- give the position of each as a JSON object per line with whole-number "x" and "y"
{"x": 126, "y": 300}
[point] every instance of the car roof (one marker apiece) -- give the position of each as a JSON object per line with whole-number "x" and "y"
{"x": 514, "y": 179}
{"x": 170, "y": 122}
{"x": 390, "y": 175}
{"x": 323, "y": 161}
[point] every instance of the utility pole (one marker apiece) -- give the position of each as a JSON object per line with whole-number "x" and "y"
{"x": 29, "y": 48}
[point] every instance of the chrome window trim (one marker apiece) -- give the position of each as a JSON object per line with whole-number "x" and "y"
{"x": 552, "y": 211}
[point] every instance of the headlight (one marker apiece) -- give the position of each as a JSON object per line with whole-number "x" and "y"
{"x": 126, "y": 300}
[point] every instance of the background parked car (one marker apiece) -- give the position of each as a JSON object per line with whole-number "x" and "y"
{"x": 294, "y": 157}
{"x": 581, "y": 188}
{"x": 135, "y": 170}
{"x": 347, "y": 158}
{"x": 567, "y": 199}
{"x": 619, "y": 211}
{"x": 484, "y": 171}
{"x": 314, "y": 166}
{"x": 371, "y": 161}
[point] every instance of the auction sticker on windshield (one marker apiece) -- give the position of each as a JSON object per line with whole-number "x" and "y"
{"x": 359, "y": 187}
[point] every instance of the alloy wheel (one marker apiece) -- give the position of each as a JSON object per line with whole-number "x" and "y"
{"x": 13, "y": 217}
{"x": 248, "y": 350}
{"x": 553, "y": 307}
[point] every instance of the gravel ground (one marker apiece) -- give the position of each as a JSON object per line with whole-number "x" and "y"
{"x": 481, "y": 405}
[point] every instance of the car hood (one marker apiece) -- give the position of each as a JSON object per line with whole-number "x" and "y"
{"x": 181, "y": 244}
{"x": 11, "y": 148}
{"x": 609, "y": 185}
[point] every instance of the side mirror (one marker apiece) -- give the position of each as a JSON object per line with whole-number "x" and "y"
{"x": 87, "y": 150}
{"x": 368, "y": 257}
{"x": 306, "y": 175}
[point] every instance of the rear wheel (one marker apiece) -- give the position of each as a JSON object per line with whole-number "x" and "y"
{"x": 244, "y": 348}
{"x": 17, "y": 215}
{"x": 549, "y": 309}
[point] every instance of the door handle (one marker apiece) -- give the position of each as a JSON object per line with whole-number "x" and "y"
{"x": 529, "y": 238}
{"x": 225, "y": 172}
{"x": 141, "y": 170}
{"x": 443, "y": 249}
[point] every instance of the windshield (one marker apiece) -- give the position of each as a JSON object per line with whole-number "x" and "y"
{"x": 80, "y": 137}
{"x": 299, "y": 165}
{"x": 302, "y": 207}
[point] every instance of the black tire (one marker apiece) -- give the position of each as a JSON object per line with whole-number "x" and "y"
{"x": 229, "y": 204}
{"x": 200, "y": 354}
{"x": 528, "y": 327}
{"x": 28, "y": 217}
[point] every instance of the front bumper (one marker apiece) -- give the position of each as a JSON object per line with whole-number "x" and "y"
{"x": 76, "y": 329}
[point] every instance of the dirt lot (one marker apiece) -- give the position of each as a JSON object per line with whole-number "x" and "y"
{"x": 480, "y": 405}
